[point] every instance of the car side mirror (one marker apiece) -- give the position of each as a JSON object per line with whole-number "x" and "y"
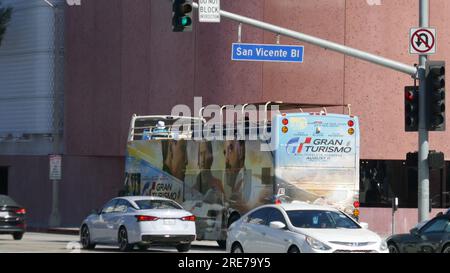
{"x": 95, "y": 211}
{"x": 364, "y": 225}
{"x": 414, "y": 232}
{"x": 277, "y": 225}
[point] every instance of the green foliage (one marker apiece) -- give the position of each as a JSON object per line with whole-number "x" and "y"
{"x": 5, "y": 17}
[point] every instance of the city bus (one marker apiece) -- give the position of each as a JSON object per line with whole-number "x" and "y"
{"x": 308, "y": 157}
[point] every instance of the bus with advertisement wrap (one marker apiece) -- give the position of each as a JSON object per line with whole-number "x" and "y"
{"x": 314, "y": 158}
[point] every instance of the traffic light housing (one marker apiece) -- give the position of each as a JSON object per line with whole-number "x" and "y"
{"x": 435, "y": 95}
{"x": 182, "y": 15}
{"x": 411, "y": 109}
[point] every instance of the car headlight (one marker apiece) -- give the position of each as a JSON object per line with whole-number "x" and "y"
{"x": 316, "y": 244}
{"x": 383, "y": 245}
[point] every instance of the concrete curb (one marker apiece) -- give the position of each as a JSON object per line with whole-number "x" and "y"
{"x": 64, "y": 231}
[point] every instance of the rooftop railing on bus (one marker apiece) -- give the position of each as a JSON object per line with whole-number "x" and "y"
{"x": 189, "y": 132}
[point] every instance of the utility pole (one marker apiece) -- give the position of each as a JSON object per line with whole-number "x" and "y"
{"x": 58, "y": 80}
{"x": 424, "y": 173}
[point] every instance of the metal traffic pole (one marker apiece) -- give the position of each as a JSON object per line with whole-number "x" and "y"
{"x": 424, "y": 173}
{"x": 58, "y": 11}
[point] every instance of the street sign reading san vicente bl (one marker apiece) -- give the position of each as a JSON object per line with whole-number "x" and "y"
{"x": 267, "y": 53}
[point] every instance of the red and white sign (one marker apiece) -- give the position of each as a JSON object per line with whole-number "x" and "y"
{"x": 422, "y": 41}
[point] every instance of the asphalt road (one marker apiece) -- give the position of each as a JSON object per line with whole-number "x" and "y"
{"x": 57, "y": 243}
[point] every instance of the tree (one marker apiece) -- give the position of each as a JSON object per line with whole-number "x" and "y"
{"x": 5, "y": 17}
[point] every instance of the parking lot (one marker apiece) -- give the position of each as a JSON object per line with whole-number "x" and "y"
{"x": 58, "y": 243}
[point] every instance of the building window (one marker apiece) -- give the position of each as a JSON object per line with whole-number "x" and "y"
{"x": 383, "y": 180}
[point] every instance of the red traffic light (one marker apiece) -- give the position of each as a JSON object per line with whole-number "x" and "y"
{"x": 409, "y": 95}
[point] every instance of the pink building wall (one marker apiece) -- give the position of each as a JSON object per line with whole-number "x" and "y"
{"x": 122, "y": 58}
{"x": 125, "y": 60}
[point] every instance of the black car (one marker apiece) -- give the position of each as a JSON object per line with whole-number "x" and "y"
{"x": 433, "y": 237}
{"x": 12, "y": 217}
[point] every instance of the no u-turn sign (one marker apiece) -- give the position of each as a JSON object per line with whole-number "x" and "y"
{"x": 422, "y": 41}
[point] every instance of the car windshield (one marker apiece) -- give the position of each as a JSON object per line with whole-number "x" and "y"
{"x": 157, "y": 204}
{"x": 7, "y": 201}
{"x": 323, "y": 219}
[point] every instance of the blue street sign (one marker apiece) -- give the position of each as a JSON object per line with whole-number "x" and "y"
{"x": 267, "y": 53}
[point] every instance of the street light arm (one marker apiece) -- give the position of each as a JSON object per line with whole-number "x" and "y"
{"x": 359, "y": 54}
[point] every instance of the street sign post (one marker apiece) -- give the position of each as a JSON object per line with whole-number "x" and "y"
{"x": 209, "y": 11}
{"x": 267, "y": 53}
{"x": 55, "y": 176}
{"x": 422, "y": 41}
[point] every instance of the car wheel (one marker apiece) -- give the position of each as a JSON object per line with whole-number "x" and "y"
{"x": 222, "y": 244}
{"x": 293, "y": 249}
{"x": 123, "y": 240}
{"x": 393, "y": 248}
{"x": 446, "y": 249}
{"x": 85, "y": 238}
{"x": 183, "y": 247}
{"x": 17, "y": 236}
{"x": 237, "y": 248}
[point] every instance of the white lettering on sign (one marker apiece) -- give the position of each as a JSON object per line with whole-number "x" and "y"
{"x": 244, "y": 52}
{"x": 209, "y": 11}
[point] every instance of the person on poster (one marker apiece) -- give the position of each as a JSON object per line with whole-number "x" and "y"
{"x": 208, "y": 185}
{"x": 243, "y": 190}
{"x": 175, "y": 158}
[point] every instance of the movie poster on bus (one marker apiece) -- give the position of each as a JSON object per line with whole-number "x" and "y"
{"x": 162, "y": 167}
{"x": 234, "y": 173}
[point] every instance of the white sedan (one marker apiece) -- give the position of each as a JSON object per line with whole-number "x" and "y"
{"x": 139, "y": 221}
{"x": 301, "y": 228}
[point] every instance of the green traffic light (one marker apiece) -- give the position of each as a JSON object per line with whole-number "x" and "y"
{"x": 186, "y": 21}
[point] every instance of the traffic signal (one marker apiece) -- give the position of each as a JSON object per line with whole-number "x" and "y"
{"x": 435, "y": 95}
{"x": 411, "y": 109}
{"x": 182, "y": 15}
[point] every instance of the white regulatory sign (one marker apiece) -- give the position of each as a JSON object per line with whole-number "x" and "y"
{"x": 55, "y": 167}
{"x": 208, "y": 11}
{"x": 422, "y": 41}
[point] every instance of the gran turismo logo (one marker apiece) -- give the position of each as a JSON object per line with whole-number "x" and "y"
{"x": 295, "y": 147}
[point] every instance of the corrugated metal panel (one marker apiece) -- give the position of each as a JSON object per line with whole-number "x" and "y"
{"x": 27, "y": 69}
{"x": 26, "y": 115}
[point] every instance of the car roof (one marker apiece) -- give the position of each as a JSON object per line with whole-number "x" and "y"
{"x": 305, "y": 206}
{"x": 137, "y": 198}
{"x": 8, "y": 201}
{"x": 299, "y": 206}
{"x": 443, "y": 216}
